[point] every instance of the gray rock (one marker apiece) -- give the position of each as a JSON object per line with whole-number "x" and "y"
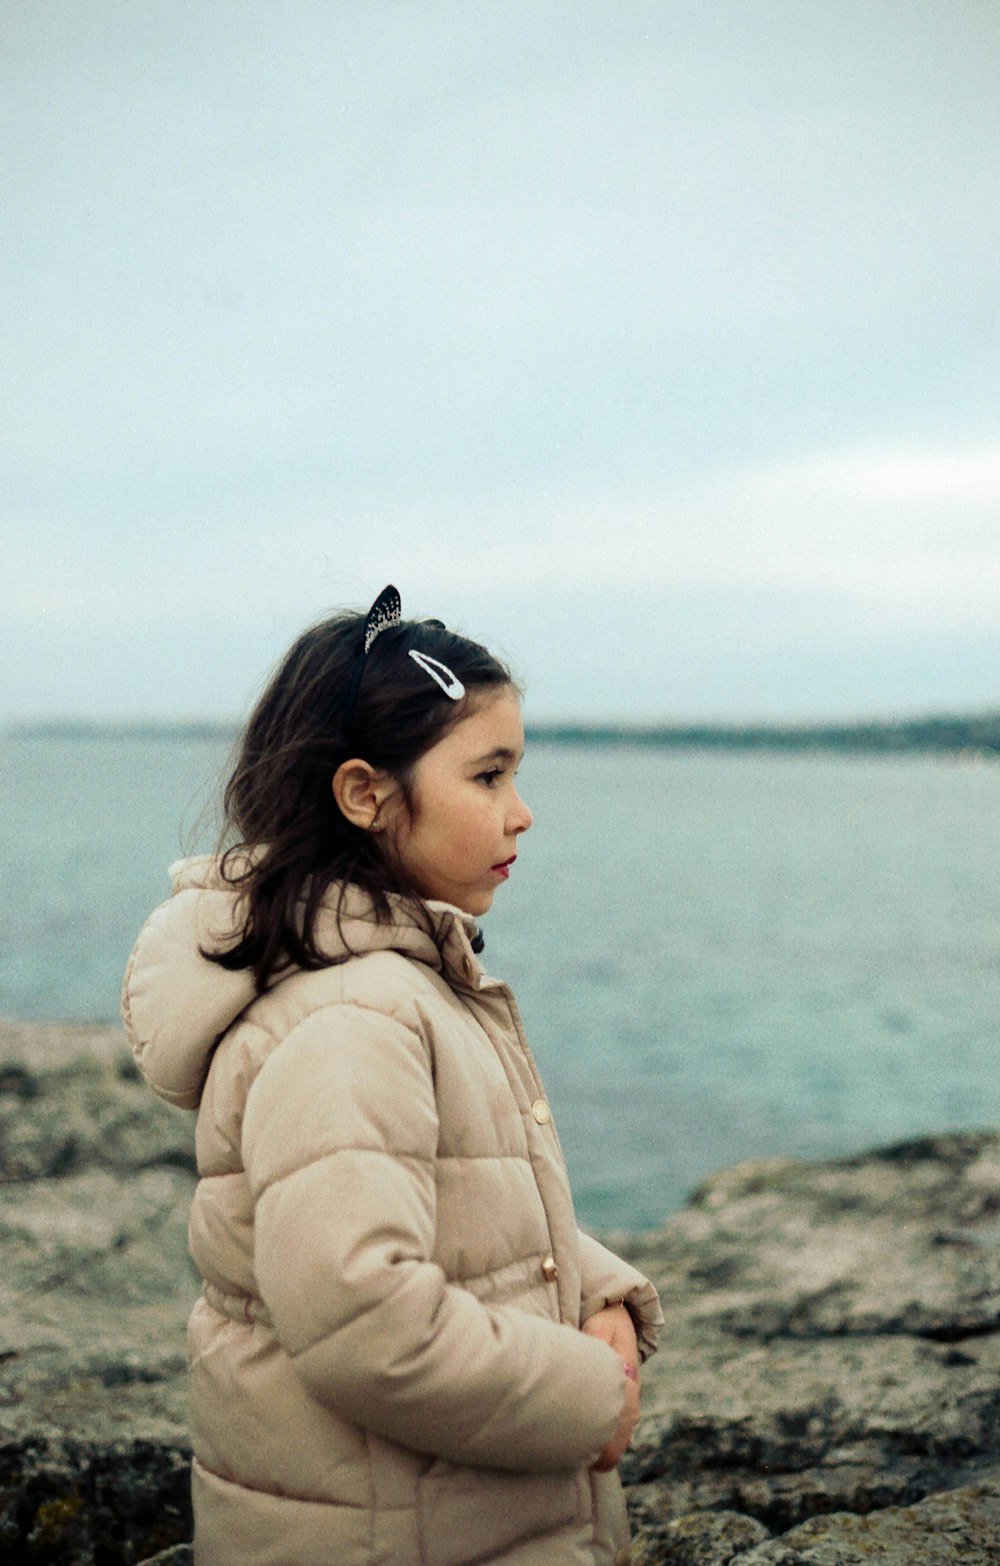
{"x": 833, "y": 1339}
{"x": 957, "y": 1528}
{"x": 828, "y": 1389}
{"x": 96, "y": 1285}
{"x": 180, "y": 1555}
{"x": 696, "y": 1539}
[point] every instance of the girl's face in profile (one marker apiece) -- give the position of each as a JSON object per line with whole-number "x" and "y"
{"x": 461, "y": 839}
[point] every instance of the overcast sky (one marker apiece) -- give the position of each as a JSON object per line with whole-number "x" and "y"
{"x": 657, "y": 344}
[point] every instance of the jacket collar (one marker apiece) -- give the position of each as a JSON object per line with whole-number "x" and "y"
{"x": 446, "y": 938}
{"x": 176, "y": 1004}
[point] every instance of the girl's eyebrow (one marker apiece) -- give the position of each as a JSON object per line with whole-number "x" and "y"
{"x": 500, "y": 754}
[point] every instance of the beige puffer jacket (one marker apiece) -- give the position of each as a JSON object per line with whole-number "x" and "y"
{"x": 385, "y": 1361}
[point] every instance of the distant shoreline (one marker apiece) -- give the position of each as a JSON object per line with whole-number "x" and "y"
{"x": 977, "y": 734}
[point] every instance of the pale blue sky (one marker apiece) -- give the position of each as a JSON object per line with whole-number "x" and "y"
{"x": 657, "y": 344}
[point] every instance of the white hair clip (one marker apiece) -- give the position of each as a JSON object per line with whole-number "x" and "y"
{"x": 440, "y": 672}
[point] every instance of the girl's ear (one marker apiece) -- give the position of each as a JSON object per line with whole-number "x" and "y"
{"x": 360, "y": 791}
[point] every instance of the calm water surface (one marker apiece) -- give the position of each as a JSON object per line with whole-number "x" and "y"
{"x": 717, "y": 956}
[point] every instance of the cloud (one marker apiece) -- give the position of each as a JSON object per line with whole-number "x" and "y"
{"x": 905, "y": 535}
{"x": 517, "y": 306}
{"x": 963, "y": 479}
{"x": 908, "y": 533}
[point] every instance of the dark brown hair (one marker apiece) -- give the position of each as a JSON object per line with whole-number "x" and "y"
{"x": 286, "y": 841}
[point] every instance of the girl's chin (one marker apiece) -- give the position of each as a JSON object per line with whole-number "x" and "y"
{"x": 471, "y": 900}
{"x": 475, "y": 903}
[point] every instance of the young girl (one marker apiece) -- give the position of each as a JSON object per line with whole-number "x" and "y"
{"x": 405, "y": 1351}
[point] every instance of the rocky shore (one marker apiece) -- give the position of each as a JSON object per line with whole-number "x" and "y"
{"x": 828, "y": 1392}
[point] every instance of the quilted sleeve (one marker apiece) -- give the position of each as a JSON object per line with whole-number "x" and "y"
{"x": 339, "y": 1144}
{"x": 606, "y": 1278}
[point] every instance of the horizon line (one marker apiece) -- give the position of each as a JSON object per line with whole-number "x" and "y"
{"x": 940, "y": 731}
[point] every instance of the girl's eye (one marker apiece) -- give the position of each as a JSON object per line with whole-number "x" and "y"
{"x": 489, "y": 778}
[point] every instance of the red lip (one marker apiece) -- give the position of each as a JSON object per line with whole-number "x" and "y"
{"x": 504, "y": 868}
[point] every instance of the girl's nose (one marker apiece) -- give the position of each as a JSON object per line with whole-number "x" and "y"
{"x": 521, "y": 817}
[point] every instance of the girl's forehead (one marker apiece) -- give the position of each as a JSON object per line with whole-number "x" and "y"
{"x": 493, "y": 723}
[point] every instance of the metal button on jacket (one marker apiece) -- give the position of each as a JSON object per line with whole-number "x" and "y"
{"x": 550, "y": 1271}
{"x": 541, "y": 1111}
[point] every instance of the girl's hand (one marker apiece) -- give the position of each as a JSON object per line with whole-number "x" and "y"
{"x": 622, "y": 1438}
{"x": 613, "y": 1325}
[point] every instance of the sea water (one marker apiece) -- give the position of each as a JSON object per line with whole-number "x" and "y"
{"x": 718, "y": 956}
